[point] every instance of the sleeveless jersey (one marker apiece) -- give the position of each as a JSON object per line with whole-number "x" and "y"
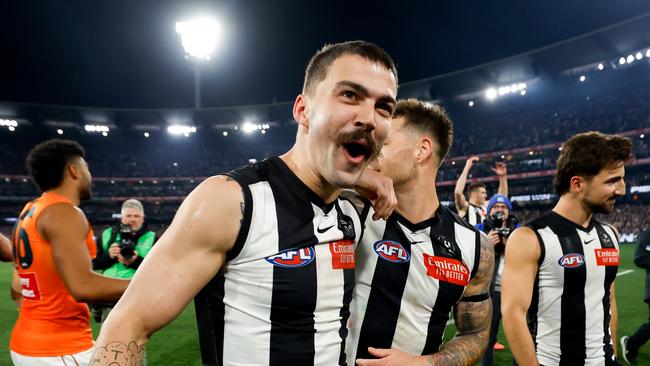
{"x": 282, "y": 297}
{"x": 409, "y": 277}
{"x": 51, "y": 322}
{"x": 570, "y": 308}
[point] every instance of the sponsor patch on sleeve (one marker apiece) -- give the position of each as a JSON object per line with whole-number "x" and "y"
{"x": 342, "y": 254}
{"x": 446, "y": 269}
{"x": 607, "y": 257}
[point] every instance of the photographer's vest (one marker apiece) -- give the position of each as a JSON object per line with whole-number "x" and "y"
{"x": 143, "y": 246}
{"x": 569, "y": 313}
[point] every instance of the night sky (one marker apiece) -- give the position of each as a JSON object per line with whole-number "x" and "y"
{"x": 126, "y": 54}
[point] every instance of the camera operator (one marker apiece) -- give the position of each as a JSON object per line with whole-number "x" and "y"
{"x": 123, "y": 247}
{"x": 498, "y": 225}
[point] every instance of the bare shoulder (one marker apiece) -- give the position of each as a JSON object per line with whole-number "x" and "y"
{"x": 523, "y": 244}
{"x": 211, "y": 214}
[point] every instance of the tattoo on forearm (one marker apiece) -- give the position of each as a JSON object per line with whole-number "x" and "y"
{"x": 117, "y": 354}
{"x": 473, "y": 325}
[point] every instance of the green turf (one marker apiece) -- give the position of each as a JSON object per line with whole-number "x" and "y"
{"x": 177, "y": 343}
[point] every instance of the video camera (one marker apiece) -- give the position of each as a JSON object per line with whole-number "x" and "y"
{"x": 127, "y": 241}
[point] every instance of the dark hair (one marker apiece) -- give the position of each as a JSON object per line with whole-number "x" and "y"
{"x": 475, "y": 186}
{"x": 47, "y": 161}
{"x": 588, "y": 153}
{"x": 430, "y": 119}
{"x": 320, "y": 62}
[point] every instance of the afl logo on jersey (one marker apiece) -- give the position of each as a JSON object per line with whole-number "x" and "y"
{"x": 391, "y": 251}
{"x": 572, "y": 260}
{"x": 292, "y": 258}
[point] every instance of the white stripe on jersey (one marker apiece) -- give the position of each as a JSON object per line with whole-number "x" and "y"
{"x": 410, "y": 331}
{"x": 466, "y": 240}
{"x": 329, "y": 300}
{"x": 239, "y": 333}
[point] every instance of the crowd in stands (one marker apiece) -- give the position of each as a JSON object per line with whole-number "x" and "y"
{"x": 164, "y": 169}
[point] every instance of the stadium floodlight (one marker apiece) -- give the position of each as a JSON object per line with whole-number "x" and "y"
{"x": 621, "y": 61}
{"x": 601, "y": 67}
{"x": 491, "y": 93}
{"x": 630, "y": 59}
{"x": 248, "y": 127}
{"x": 104, "y": 133}
{"x": 647, "y": 53}
{"x": 97, "y": 128}
{"x": 146, "y": 134}
{"x": 199, "y": 37}
{"x": 8, "y": 123}
{"x": 638, "y": 55}
{"x": 225, "y": 133}
{"x": 59, "y": 131}
{"x": 12, "y": 128}
{"x": 523, "y": 92}
{"x": 642, "y": 135}
{"x": 181, "y": 130}
{"x": 582, "y": 78}
{"x": 471, "y": 103}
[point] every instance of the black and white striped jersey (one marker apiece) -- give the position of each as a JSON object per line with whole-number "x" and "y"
{"x": 283, "y": 296}
{"x": 409, "y": 277}
{"x": 475, "y": 214}
{"x": 570, "y": 309}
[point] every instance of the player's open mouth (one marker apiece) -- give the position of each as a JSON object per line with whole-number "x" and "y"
{"x": 357, "y": 151}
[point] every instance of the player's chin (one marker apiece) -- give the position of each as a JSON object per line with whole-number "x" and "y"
{"x": 348, "y": 176}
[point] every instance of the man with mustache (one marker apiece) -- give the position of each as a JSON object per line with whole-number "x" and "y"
{"x": 560, "y": 268}
{"x": 53, "y": 245}
{"x": 423, "y": 261}
{"x": 272, "y": 241}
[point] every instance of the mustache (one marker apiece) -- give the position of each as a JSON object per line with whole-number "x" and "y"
{"x": 372, "y": 146}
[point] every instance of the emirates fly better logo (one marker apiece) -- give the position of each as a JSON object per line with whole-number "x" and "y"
{"x": 446, "y": 269}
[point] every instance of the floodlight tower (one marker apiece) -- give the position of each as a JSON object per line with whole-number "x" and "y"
{"x": 199, "y": 38}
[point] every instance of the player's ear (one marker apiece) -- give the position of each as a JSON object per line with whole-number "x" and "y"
{"x": 577, "y": 184}
{"x": 424, "y": 149}
{"x": 301, "y": 110}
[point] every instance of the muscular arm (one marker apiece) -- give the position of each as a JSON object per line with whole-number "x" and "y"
{"x": 521, "y": 264}
{"x": 472, "y": 316}
{"x": 184, "y": 259}
{"x": 459, "y": 195}
{"x": 502, "y": 173}
{"x": 6, "y": 254}
{"x": 66, "y": 227}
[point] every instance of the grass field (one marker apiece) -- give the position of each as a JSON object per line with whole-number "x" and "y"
{"x": 177, "y": 345}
